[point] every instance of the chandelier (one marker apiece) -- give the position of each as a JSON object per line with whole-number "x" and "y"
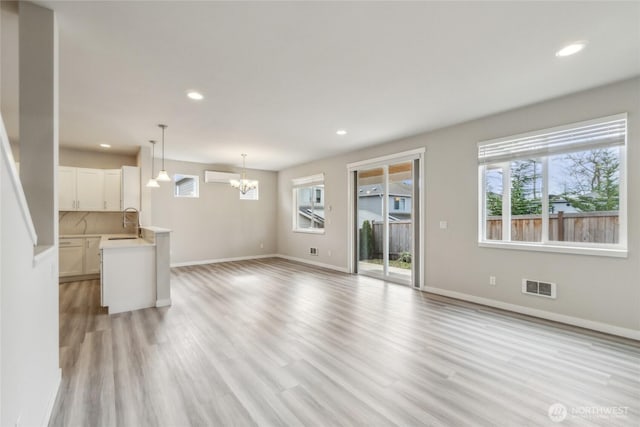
{"x": 243, "y": 184}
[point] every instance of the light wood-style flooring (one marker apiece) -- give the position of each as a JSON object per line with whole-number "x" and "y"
{"x": 272, "y": 342}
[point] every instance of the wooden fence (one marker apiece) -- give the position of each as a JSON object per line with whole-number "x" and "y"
{"x": 593, "y": 227}
{"x": 399, "y": 237}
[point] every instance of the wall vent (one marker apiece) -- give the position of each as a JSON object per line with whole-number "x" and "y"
{"x": 313, "y": 251}
{"x": 541, "y": 289}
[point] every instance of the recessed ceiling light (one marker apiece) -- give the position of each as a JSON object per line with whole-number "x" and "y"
{"x": 196, "y": 96}
{"x": 572, "y": 48}
{"x": 341, "y": 132}
{"x": 105, "y": 146}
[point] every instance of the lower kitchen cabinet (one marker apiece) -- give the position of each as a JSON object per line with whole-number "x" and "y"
{"x": 79, "y": 256}
{"x": 71, "y": 257}
{"x": 92, "y": 255}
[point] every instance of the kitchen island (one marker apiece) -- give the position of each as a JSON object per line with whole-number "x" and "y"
{"x": 135, "y": 271}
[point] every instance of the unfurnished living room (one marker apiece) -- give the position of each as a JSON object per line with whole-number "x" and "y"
{"x": 319, "y": 213}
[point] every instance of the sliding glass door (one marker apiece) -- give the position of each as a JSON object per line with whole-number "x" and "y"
{"x": 386, "y": 208}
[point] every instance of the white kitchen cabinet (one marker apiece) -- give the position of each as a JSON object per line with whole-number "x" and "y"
{"x": 90, "y": 189}
{"x": 66, "y": 188}
{"x": 112, "y": 190}
{"x": 128, "y": 280}
{"x": 71, "y": 257}
{"x": 130, "y": 187}
{"x": 91, "y": 255}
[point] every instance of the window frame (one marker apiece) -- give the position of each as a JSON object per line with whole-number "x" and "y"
{"x": 251, "y": 195}
{"x": 196, "y": 179}
{"x": 312, "y": 182}
{"x": 545, "y": 245}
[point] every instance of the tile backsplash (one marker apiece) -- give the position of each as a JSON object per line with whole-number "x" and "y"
{"x": 72, "y": 222}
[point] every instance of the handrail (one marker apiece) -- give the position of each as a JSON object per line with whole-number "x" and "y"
{"x": 9, "y": 162}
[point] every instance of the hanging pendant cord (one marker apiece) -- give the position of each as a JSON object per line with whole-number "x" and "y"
{"x": 153, "y": 154}
{"x": 163, "y": 128}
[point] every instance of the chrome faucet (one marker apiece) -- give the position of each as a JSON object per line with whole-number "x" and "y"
{"x": 126, "y": 222}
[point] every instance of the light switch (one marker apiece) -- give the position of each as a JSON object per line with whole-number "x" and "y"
{"x": 443, "y": 225}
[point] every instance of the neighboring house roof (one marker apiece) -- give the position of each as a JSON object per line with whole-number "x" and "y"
{"x": 316, "y": 214}
{"x": 395, "y": 189}
{"x": 364, "y": 215}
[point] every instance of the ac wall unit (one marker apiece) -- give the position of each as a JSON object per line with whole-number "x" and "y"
{"x": 219, "y": 177}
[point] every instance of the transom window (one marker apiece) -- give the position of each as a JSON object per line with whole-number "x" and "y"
{"x": 559, "y": 189}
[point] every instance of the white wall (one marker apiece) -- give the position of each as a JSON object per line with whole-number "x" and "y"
{"x": 29, "y": 313}
{"x": 95, "y": 159}
{"x": 29, "y": 363}
{"x": 38, "y": 32}
{"x": 597, "y": 289}
{"x": 217, "y": 225}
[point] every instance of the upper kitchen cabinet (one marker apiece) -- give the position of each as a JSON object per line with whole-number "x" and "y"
{"x": 84, "y": 189}
{"x": 112, "y": 189}
{"x": 66, "y": 188}
{"x": 89, "y": 189}
{"x": 130, "y": 187}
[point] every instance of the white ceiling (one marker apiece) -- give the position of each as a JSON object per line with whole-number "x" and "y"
{"x": 281, "y": 78}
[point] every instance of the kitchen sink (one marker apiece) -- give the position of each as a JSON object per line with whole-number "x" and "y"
{"x": 121, "y": 238}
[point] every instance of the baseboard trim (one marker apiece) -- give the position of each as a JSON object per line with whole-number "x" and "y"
{"x": 547, "y": 315}
{"x": 314, "y": 263}
{"x": 52, "y": 399}
{"x": 218, "y": 260}
{"x": 163, "y": 302}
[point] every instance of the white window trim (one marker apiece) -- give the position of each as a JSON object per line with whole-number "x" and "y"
{"x": 196, "y": 179}
{"x": 305, "y": 181}
{"x": 419, "y": 154}
{"x": 619, "y": 250}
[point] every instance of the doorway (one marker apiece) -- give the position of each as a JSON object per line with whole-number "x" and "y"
{"x": 387, "y": 219}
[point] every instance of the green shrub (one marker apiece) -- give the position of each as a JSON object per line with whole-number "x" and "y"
{"x": 366, "y": 241}
{"x": 405, "y": 257}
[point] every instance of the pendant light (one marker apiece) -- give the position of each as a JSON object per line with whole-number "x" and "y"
{"x": 243, "y": 184}
{"x": 163, "y": 176}
{"x": 152, "y": 182}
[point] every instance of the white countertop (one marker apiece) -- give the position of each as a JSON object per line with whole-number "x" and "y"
{"x": 105, "y": 243}
{"x": 156, "y": 229}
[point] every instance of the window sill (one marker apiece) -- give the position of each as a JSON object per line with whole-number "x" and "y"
{"x": 578, "y": 250}
{"x": 308, "y": 231}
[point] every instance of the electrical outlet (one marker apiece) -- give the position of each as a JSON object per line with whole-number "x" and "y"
{"x": 329, "y": 252}
{"x": 261, "y": 245}
{"x": 313, "y": 251}
{"x": 492, "y": 280}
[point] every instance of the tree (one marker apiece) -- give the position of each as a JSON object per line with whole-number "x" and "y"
{"x": 525, "y": 194}
{"x": 595, "y": 180}
{"x": 494, "y": 203}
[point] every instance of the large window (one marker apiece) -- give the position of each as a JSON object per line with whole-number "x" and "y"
{"x": 308, "y": 203}
{"x": 560, "y": 189}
